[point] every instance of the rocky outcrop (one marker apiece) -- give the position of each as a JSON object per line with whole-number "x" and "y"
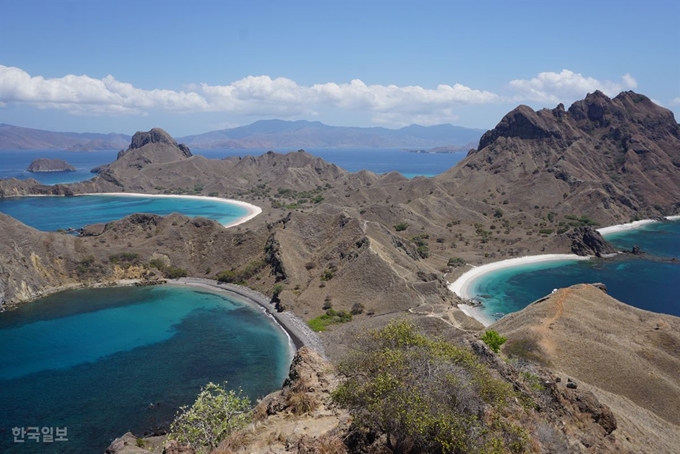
{"x": 50, "y": 165}
{"x": 610, "y": 159}
{"x": 587, "y": 241}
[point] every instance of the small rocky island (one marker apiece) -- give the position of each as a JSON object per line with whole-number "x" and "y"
{"x": 50, "y": 165}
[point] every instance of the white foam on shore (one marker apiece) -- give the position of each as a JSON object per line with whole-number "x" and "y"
{"x": 253, "y": 210}
{"x": 463, "y": 285}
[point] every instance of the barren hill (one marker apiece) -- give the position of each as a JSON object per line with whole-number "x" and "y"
{"x": 611, "y": 159}
{"x": 629, "y": 357}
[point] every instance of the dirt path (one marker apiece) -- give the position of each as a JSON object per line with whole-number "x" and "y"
{"x": 544, "y": 329}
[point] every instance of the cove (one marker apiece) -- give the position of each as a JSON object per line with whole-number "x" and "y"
{"x": 650, "y": 281}
{"x": 105, "y": 361}
{"x": 50, "y": 213}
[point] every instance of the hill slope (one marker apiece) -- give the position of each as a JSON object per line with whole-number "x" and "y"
{"x": 629, "y": 356}
{"x": 611, "y": 159}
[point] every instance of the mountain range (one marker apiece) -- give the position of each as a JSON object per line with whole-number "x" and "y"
{"x": 261, "y": 134}
{"x": 18, "y": 138}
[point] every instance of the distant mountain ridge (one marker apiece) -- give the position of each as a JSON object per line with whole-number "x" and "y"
{"x": 18, "y": 138}
{"x": 311, "y": 134}
{"x": 261, "y": 134}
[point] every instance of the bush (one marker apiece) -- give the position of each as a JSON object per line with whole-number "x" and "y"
{"x": 493, "y": 340}
{"x": 331, "y": 317}
{"x": 215, "y": 414}
{"x": 357, "y": 308}
{"x": 172, "y": 272}
{"x": 401, "y": 226}
{"x": 426, "y": 395}
{"x": 455, "y": 261}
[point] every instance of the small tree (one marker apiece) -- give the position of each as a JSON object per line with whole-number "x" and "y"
{"x": 215, "y": 414}
{"x": 493, "y": 340}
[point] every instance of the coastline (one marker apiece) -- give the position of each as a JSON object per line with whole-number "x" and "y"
{"x": 252, "y": 210}
{"x": 604, "y": 231}
{"x": 298, "y": 332}
{"x": 463, "y": 285}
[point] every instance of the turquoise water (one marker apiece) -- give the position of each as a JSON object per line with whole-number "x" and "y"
{"x": 54, "y": 212}
{"x": 104, "y": 361}
{"x": 650, "y": 281}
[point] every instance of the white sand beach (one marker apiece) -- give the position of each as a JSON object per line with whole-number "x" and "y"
{"x": 624, "y": 227}
{"x": 253, "y": 210}
{"x": 463, "y": 285}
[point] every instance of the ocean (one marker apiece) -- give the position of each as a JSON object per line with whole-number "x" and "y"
{"x": 50, "y": 213}
{"x": 101, "y": 362}
{"x": 13, "y": 163}
{"x": 650, "y": 281}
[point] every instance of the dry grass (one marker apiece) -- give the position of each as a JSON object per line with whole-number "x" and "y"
{"x": 301, "y": 403}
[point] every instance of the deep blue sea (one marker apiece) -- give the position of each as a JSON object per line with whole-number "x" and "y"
{"x": 650, "y": 281}
{"x": 101, "y": 362}
{"x": 13, "y": 164}
{"x": 49, "y": 213}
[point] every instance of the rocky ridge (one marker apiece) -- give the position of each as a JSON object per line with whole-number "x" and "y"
{"x": 610, "y": 159}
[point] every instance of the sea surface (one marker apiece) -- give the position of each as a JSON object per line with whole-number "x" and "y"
{"x": 650, "y": 281}
{"x": 102, "y": 362}
{"x": 50, "y": 213}
{"x": 13, "y": 163}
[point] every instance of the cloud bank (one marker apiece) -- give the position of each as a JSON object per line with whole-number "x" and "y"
{"x": 551, "y": 87}
{"x": 284, "y": 98}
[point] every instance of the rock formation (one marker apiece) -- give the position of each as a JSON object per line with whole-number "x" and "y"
{"x": 611, "y": 159}
{"x": 50, "y": 165}
{"x": 588, "y": 241}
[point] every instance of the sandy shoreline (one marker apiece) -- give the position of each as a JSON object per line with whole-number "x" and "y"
{"x": 253, "y": 210}
{"x": 463, "y": 285}
{"x": 298, "y": 332}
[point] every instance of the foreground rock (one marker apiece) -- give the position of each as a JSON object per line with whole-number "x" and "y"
{"x": 41, "y": 165}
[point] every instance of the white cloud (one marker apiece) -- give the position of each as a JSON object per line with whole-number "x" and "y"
{"x": 252, "y": 95}
{"x": 676, "y": 101}
{"x": 566, "y": 86}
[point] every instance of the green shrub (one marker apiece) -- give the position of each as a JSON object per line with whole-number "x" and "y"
{"x": 426, "y": 395}
{"x": 172, "y": 272}
{"x": 493, "y": 340}
{"x": 331, "y": 317}
{"x": 401, "y": 226}
{"x": 455, "y": 261}
{"x": 215, "y": 414}
{"x": 327, "y": 275}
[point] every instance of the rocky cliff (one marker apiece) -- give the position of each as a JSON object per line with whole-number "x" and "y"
{"x": 610, "y": 159}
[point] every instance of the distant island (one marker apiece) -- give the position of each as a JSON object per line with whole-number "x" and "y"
{"x": 41, "y": 165}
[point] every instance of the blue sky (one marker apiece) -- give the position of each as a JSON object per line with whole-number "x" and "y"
{"x": 191, "y": 67}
